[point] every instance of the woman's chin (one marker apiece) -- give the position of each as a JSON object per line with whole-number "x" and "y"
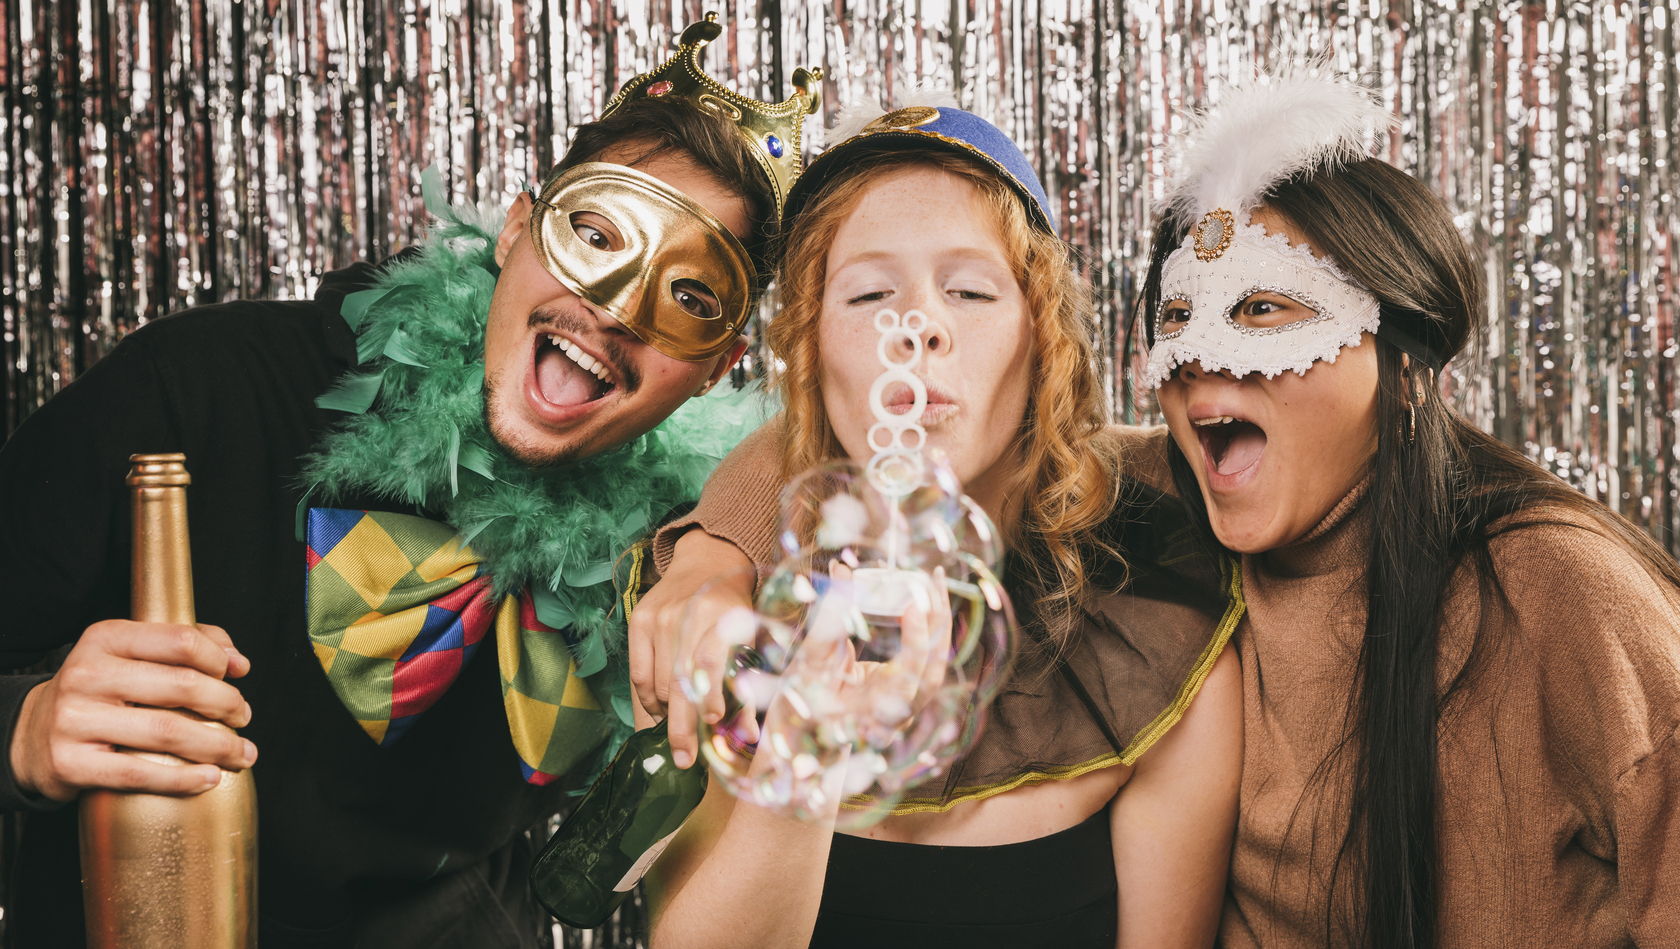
{"x": 1246, "y": 530}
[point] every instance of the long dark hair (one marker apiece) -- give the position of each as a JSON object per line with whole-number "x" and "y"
{"x": 1442, "y": 489}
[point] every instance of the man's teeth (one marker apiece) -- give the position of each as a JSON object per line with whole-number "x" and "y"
{"x": 575, "y": 353}
{"x": 1216, "y": 420}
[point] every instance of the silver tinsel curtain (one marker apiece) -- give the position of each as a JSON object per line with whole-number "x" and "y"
{"x": 164, "y": 153}
{"x": 159, "y": 154}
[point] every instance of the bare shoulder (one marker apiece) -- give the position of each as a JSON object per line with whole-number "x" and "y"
{"x": 1142, "y": 450}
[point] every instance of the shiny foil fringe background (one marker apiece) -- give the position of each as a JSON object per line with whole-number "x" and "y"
{"x": 159, "y": 154}
{"x": 165, "y": 153}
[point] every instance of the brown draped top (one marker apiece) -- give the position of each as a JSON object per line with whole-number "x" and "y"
{"x": 1145, "y": 638}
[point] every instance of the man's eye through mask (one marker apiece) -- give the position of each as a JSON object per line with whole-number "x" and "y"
{"x": 645, "y": 254}
{"x": 1256, "y": 305}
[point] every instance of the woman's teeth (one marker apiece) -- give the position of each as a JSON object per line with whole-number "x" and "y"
{"x": 575, "y": 353}
{"x": 1216, "y": 420}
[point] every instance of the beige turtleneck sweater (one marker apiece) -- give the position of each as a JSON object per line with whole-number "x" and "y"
{"x": 1559, "y": 799}
{"x": 1560, "y": 764}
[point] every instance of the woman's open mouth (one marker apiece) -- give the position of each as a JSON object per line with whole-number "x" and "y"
{"x": 1232, "y": 446}
{"x": 568, "y": 377}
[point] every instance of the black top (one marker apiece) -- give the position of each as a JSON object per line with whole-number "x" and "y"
{"x": 1057, "y": 891}
{"x": 420, "y": 844}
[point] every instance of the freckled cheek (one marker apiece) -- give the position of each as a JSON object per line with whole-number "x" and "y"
{"x": 844, "y": 389}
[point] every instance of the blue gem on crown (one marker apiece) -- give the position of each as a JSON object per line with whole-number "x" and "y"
{"x": 774, "y": 144}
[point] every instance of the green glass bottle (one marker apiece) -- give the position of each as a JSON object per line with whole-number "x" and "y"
{"x": 619, "y": 828}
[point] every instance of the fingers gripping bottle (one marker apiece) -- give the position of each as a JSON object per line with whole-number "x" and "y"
{"x": 161, "y": 871}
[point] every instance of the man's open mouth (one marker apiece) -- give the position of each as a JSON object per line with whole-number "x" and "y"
{"x": 567, "y": 376}
{"x": 1231, "y": 445}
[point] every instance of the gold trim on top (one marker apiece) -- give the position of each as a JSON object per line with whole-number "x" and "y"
{"x": 904, "y": 118}
{"x": 934, "y": 805}
{"x": 633, "y": 583}
{"x": 1144, "y": 740}
{"x": 1198, "y": 674}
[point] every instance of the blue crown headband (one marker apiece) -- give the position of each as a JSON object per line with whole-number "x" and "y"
{"x": 924, "y": 127}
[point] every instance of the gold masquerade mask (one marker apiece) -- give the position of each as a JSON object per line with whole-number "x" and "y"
{"x": 681, "y": 281}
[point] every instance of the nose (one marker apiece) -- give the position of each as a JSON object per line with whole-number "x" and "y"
{"x": 604, "y": 322}
{"x": 1195, "y": 370}
{"x": 936, "y": 338}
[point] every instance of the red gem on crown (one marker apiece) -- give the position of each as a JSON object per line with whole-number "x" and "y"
{"x": 659, "y": 88}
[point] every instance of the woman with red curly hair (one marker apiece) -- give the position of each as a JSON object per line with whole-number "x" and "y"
{"x": 1105, "y": 777}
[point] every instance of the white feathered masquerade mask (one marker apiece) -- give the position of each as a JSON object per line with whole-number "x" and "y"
{"x": 1260, "y": 136}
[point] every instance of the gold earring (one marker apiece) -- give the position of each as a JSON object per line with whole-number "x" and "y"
{"x": 1411, "y": 423}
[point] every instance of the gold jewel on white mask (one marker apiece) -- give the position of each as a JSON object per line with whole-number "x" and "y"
{"x": 674, "y": 250}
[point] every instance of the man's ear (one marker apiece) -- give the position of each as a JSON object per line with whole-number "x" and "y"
{"x": 725, "y": 363}
{"x": 518, "y": 218}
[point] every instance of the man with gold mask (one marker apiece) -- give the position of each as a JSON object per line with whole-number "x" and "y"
{"x": 452, "y": 448}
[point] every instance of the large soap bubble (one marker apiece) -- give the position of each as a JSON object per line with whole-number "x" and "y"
{"x": 880, "y": 638}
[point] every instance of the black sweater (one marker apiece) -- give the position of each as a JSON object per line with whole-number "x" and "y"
{"x": 420, "y": 844}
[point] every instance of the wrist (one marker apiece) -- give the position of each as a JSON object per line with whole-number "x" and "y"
{"x": 698, "y": 542}
{"x": 18, "y": 758}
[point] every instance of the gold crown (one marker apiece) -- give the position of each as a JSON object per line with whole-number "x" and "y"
{"x": 772, "y": 129}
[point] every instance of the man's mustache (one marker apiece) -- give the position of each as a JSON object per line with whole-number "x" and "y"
{"x": 570, "y": 316}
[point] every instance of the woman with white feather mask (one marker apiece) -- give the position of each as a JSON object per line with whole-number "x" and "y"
{"x": 1461, "y": 677}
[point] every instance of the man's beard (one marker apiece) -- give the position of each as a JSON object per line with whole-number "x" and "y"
{"x": 534, "y": 454}
{"x": 526, "y": 452}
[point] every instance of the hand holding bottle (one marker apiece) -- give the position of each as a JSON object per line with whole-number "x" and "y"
{"x": 114, "y": 689}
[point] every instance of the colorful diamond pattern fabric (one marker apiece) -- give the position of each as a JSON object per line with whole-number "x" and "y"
{"x": 397, "y": 606}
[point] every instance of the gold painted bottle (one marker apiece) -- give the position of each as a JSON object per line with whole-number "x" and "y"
{"x": 160, "y": 871}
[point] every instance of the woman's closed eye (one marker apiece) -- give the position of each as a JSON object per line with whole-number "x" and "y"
{"x": 972, "y": 296}
{"x": 869, "y": 296}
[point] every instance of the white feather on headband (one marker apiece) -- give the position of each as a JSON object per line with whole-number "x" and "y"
{"x": 851, "y": 119}
{"x": 1264, "y": 133}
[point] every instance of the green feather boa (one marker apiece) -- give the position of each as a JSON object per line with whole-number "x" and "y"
{"x": 416, "y": 434}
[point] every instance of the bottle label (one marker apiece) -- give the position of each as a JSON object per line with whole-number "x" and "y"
{"x": 642, "y": 864}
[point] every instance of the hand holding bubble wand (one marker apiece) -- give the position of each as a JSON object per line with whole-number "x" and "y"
{"x": 879, "y": 640}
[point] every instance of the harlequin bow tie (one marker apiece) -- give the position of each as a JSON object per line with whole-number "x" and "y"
{"x": 397, "y": 605}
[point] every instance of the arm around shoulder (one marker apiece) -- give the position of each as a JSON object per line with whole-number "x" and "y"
{"x": 739, "y": 503}
{"x": 739, "y": 876}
